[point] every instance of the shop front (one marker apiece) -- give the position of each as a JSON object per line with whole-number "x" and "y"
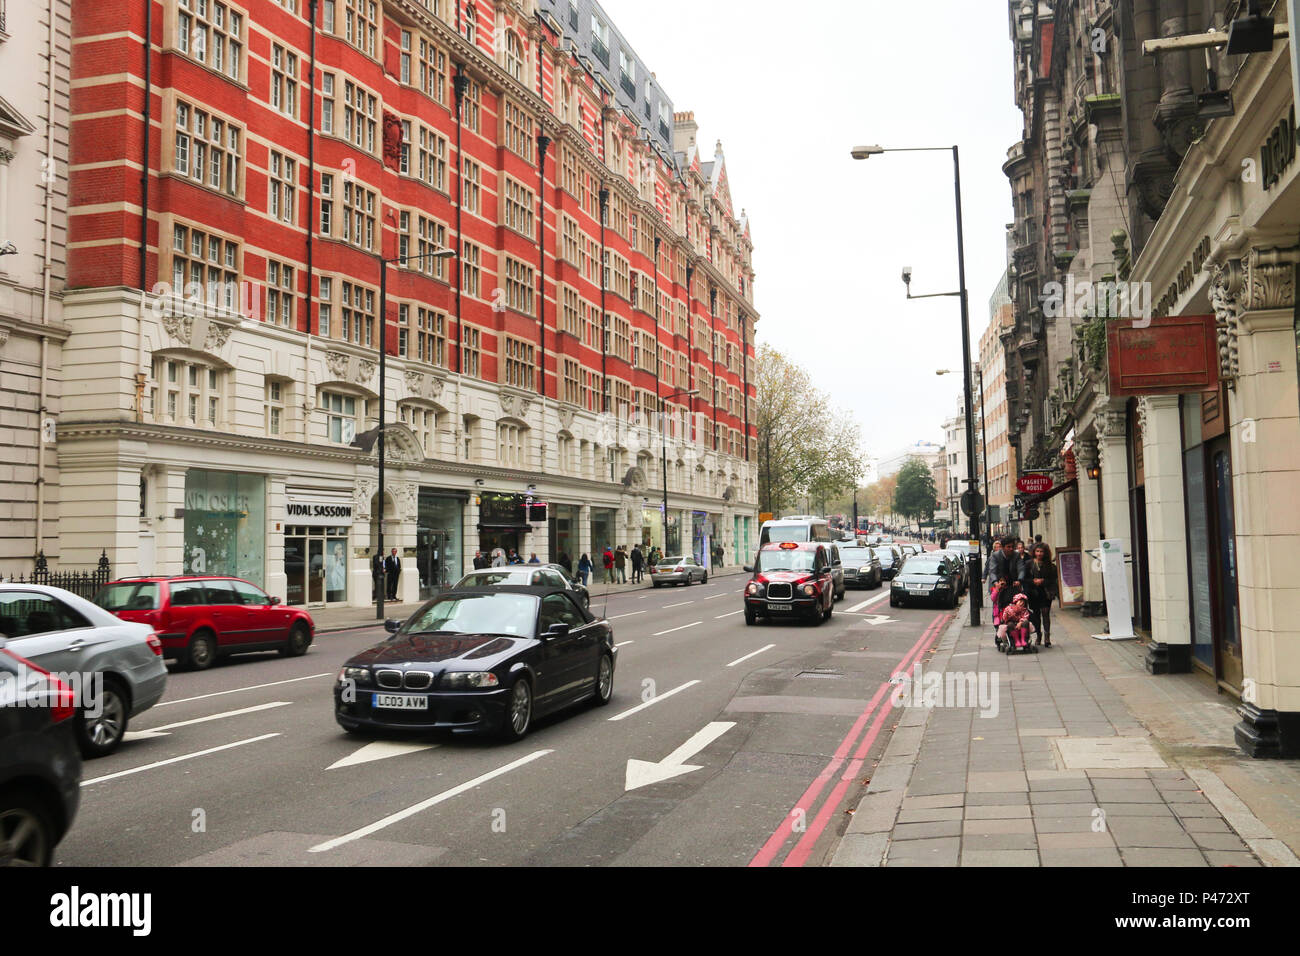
{"x": 701, "y": 536}
{"x": 652, "y": 528}
{"x": 603, "y": 532}
{"x": 316, "y": 528}
{"x": 562, "y": 523}
{"x": 501, "y": 524}
{"x": 225, "y": 524}
{"x": 439, "y": 539}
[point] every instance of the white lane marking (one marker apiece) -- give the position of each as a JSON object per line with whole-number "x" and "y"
{"x": 379, "y": 750}
{"x": 654, "y": 700}
{"x": 729, "y": 614}
{"x": 424, "y": 805}
{"x": 163, "y": 763}
{"x": 615, "y": 617}
{"x": 672, "y": 630}
{"x": 967, "y": 654}
{"x": 641, "y": 773}
{"x": 868, "y": 602}
{"x": 162, "y": 731}
{"x": 682, "y": 604}
{"x": 236, "y": 690}
{"x": 752, "y": 654}
{"x": 625, "y": 643}
{"x": 720, "y": 594}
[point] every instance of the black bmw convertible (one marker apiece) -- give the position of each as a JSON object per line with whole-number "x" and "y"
{"x": 479, "y": 659}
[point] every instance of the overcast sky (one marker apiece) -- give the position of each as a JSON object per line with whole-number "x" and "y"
{"x": 790, "y": 88}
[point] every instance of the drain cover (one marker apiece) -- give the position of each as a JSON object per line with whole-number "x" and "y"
{"x": 818, "y": 673}
{"x": 1107, "y": 753}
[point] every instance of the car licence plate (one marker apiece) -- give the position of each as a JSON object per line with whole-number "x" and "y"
{"x": 780, "y": 607}
{"x": 400, "y": 702}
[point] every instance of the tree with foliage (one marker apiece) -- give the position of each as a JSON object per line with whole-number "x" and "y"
{"x": 805, "y": 448}
{"x": 915, "y": 495}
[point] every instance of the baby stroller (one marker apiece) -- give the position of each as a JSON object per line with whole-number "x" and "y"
{"x": 1013, "y": 631}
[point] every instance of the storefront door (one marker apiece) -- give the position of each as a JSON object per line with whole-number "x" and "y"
{"x": 315, "y": 566}
{"x": 316, "y": 571}
{"x": 1225, "y": 535}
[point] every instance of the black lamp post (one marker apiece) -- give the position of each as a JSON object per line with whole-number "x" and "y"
{"x": 866, "y": 152}
{"x": 663, "y": 437}
{"x": 366, "y": 440}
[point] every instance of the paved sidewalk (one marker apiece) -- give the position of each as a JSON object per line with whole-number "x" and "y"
{"x": 348, "y": 618}
{"x": 1086, "y": 760}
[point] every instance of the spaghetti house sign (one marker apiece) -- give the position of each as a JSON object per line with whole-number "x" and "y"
{"x": 1172, "y": 355}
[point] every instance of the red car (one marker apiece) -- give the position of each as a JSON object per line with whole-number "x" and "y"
{"x": 791, "y": 579}
{"x": 202, "y": 617}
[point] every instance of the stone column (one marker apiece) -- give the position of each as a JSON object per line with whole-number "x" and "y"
{"x": 1089, "y": 530}
{"x": 584, "y": 537}
{"x": 1170, "y": 651}
{"x": 1265, "y": 423}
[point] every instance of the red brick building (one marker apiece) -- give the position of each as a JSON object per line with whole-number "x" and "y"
{"x": 281, "y": 163}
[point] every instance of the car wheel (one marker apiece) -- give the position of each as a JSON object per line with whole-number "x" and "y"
{"x": 299, "y": 641}
{"x": 26, "y": 831}
{"x": 657, "y": 583}
{"x": 750, "y": 617}
{"x": 826, "y": 615}
{"x": 519, "y": 711}
{"x": 202, "y": 651}
{"x": 604, "y": 680}
{"x": 893, "y": 601}
{"x": 100, "y": 735}
{"x": 705, "y": 579}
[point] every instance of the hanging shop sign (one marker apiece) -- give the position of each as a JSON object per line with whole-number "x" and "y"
{"x": 1033, "y": 484}
{"x": 1169, "y": 356}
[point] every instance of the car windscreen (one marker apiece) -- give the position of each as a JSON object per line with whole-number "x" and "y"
{"x": 790, "y": 532}
{"x": 922, "y": 566}
{"x": 475, "y": 614}
{"x": 665, "y": 562}
{"x": 128, "y": 596}
{"x": 789, "y": 560}
{"x": 855, "y": 556}
{"x": 482, "y": 579}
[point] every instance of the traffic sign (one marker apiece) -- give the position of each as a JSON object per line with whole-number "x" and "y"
{"x": 1034, "y": 484}
{"x": 972, "y": 503}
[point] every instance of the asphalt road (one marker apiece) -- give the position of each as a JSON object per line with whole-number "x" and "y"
{"x": 246, "y": 766}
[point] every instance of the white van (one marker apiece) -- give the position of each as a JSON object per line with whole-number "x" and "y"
{"x": 794, "y": 528}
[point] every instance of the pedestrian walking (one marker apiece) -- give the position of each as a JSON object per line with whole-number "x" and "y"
{"x": 480, "y": 561}
{"x": 533, "y": 559}
{"x": 393, "y": 571}
{"x": 1038, "y": 579}
{"x": 607, "y": 562}
{"x": 498, "y": 558}
{"x": 620, "y": 564}
{"x": 638, "y": 563}
{"x": 584, "y": 568}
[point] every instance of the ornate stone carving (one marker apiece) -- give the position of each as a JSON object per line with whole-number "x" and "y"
{"x": 524, "y": 405}
{"x": 407, "y": 500}
{"x": 1142, "y": 415}
{"x": 1270, "y": 278}
{"x": 1224, "y": 290}
{"x": 1110, "y": 422}
{"x": 565, "y": 413}
{"x": 218, "y": 336}
{"x": 178, "y": 326}
{"x": 414, "y": 382}
{"x": 337, "y": 363}
{"x": 507, "y": 403}
{"x": 361, "y": 496}
{"x": 4, "y": 337}
{"x": 1085, "y": 453}
{"x": 6, "y": 155}
{"x": 365, "y": 371}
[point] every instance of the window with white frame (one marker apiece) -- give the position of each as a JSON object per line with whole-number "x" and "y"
{"x": 404, "y": 151}
{"x": 327, "y": 204}
{"x": 357, "y": 314}
{"x": 281, "y": 186}
{"x": 470, "y": 272}
{"x": 359, "y": 117}
{"x": 284, "y": 81}
{"x": 433, "y": 71}
{"x": 517, "y": 363}
{"x": 188, "y": 393}
{"x": 569, "y": 240}
{"x": 572, "y": 393}
{"x": 520, "y": 286}
{"x": 472, "y": 350}
{"x": 279, "y": 293}
{"x": 431, "y": 337}
{"x": 327, "y": 103}
{"x": 512, "y": 446}
{"x": 423, "y": 421}
{"x": 325, "y": 307}
{"x": 405, "y": 59}
{"x": 273, "y": 406}
{"x": 433, "y": 159}
{"x": 470, "y": 107}
{"x": 358, "y": 215}
{"x": 519, "y": 131}
{"x": 360, "y": 24}
{"x": 469, "y": 188}
{"x": 571, "y": 308}
{"x": 340, "y": 413}
{"x": 517, "y": 207}
{"x": 211, "y": 33}
{"x": 205, "y": 266}
{"x": 207, "y": 149}
{"x": 514, "y": 56}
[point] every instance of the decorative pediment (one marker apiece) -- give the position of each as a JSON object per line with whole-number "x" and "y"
{"x": 199, "y": 332}
{"x": 514, "y": 404}
{"x": 349, "y": 368}
{"x": 12, "y": 123}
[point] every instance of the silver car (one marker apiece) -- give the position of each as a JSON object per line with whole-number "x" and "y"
{"x": 115, "y": 667}
{"x": 536, "y": 575}
{"x": 679, "y": 570}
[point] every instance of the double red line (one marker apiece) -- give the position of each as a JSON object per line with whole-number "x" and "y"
{"x": 803, "y": 849}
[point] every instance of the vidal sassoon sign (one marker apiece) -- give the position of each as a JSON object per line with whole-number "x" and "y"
{"x": 1172, "y": 355}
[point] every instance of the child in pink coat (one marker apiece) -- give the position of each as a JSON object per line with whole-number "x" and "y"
{"x": 1014, "y": 624}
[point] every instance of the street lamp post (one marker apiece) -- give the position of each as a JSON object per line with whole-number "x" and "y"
{"x": 663, "y": 438}
{"x": 984, "y": 436}
{"x": 866, "y": 152}
{"x": 368, "y": 440}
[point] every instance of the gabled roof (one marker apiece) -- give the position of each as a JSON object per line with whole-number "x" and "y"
{"x": 12, "y": 123}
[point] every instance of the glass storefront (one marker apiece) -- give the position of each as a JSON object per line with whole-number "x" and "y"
{"x": 652, "y": 528}
{"x": 315, "y": 565}
{"x": 700, "y": 536}
{"x": 439, "y": 545}
{"x": 563, "y": 521}
{"x": 602, "y": 531}
{"x": 225, "y": 524}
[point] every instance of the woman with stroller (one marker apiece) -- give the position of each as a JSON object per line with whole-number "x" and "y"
{"x": 1038, "y": 582}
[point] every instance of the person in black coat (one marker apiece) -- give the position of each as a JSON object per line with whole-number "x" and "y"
{"x": 1038, "y": 580}
{"x": 392, "y": 570}
{"x": 376, "y": 576}
{"x": 1005, "y": 567}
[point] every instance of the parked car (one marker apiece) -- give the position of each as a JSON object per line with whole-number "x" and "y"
{"x": 534, "y": 575}
{"x": 679, "y": 570}
{"x": 480, "y": 659}
{"x": 791, "y": 579}
{"x": 40, "y": 764}
{"x": 203, "y": 617}
{"x": 119, "y": 664}
{"x": 962, "y": 559}
{"x": 861, "y": 567}
{"x": 928, "y": 577}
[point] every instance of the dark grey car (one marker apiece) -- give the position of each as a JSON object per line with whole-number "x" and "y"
{"x": 861, "y": 567}
{"x": 40, "y": 764}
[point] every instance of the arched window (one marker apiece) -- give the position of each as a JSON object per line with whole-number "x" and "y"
{"x": 514, "y": 56}
{"x": 423, "y": 421}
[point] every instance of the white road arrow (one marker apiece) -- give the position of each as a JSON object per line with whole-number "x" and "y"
{"x": 379, "y": 750}
{"x": 165, "y": 729}
{"x": 874, "y": 619}
{"x": 642, "y": 773}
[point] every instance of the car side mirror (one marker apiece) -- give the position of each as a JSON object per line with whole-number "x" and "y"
{"x": 392, "y": 626}
{"x": 274, "y": 599}
{"x": 749, "y": 569}
{"x": 557, "y": 630}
